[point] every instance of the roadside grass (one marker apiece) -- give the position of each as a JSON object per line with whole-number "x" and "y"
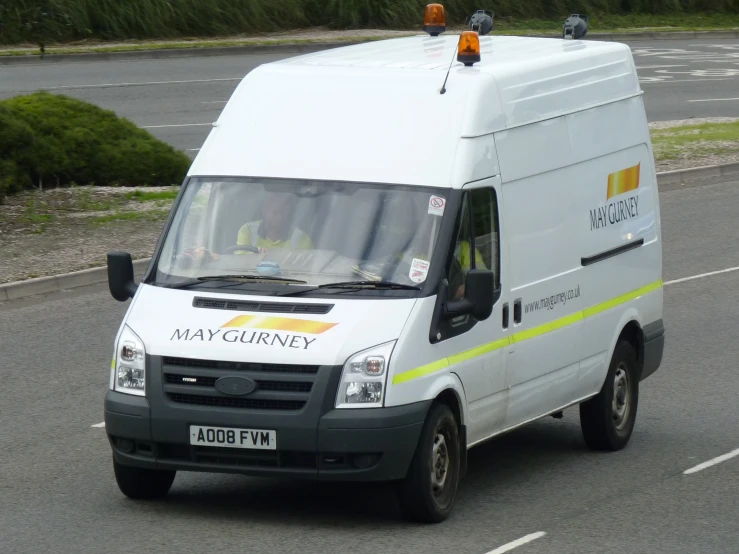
{"x": 615, "y": 24}
{"x": 696, "y": 141}
{"x": 149, "y": 196}
{"x": 38, "y": 211}
{"x": 150, "y": 215}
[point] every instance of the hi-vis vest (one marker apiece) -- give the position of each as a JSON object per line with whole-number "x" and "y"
{"x": 295, "y": 238}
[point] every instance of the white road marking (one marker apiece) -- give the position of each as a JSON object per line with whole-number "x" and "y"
{"x": 716, "y": 100}
{"x": 98, "y": 425}
{"x": 217, "y": 102}
{"x": 143, "y": 84}
{"x": 702, "y": 276}
{"x": 179, "y": 125}
{"x": 710, "y": 463}
{"x": 193, "y": 149}
{"x": 689, "y": 81}
{"x": 657, "y": 66}
{"x": 515, "y": 544}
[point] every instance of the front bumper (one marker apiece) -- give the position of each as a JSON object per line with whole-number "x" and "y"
{"x": 340, "y": 445}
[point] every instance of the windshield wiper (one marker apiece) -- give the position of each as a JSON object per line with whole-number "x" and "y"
{"x": 378, "y": 285}
{"x": 370, "y": 284}
{"x": 234, "y": 279}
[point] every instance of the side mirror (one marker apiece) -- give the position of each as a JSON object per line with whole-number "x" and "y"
{"x": 120, "y": 276}
{"x": 478, "y": 297}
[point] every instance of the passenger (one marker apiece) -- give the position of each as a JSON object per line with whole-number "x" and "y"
{"x": 277, "y": 227}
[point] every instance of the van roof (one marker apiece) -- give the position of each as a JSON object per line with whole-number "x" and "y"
{"x": 381, "y": 98}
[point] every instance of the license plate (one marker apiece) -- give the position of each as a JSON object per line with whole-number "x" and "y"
{"x": 228, "y": 437}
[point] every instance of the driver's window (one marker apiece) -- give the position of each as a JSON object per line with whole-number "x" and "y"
{"x": 487, "y": 236}
{"x": 460, "y": 262}
{"x": 478, "y": 215}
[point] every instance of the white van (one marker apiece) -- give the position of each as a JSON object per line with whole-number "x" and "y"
{"x": 383, "y": 257}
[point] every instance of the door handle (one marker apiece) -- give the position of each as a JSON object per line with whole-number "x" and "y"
{"x": 505, "y": 315}
{"x": 517, "y": 315}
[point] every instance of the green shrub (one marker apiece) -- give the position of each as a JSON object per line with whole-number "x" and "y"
{"x": 56, "y": 140}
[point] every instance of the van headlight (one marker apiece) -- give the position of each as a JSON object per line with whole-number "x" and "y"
{"x": 364, "y": 378}
{"x": 129, "y": 371}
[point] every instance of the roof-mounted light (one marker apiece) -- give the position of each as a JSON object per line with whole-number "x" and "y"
{"x": 434, "y": 22}
{"x": 482, "y": 22}
{"x": 575, "y": 27}
{"x": 469, "y": 48}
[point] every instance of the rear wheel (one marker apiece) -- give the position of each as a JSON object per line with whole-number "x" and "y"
{"x": 608, "y": 419}
{"x": 143, "y": 484}
{"x": 428, "y": 491}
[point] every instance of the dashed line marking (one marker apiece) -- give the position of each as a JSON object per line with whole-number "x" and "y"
{"x": 520, "y": 542}
{"x": 711, "y": 463}
{"x": 142, "y": 84}
{"x": 98, "y": 425}
{"x": 702, "y": 276}
{"x": 716, "y": 100}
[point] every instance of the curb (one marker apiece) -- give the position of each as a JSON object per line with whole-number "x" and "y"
{"x": 63, "y": 282}
{"x": 98, "y": 275}
{"x": 306, "y": 48}
{"x": 707, "y": 172}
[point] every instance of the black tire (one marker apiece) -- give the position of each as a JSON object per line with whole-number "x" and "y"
{"x": 421, "y": 499}
{"x": 143, "y": 484}
{"x": 607, "y": 424}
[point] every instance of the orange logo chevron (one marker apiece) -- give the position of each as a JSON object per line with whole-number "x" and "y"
{"x": 623, "y": 181}
{"x": 280, "y": 324}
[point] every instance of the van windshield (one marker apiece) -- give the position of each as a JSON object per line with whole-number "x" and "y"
{"x": 301, "y": 232}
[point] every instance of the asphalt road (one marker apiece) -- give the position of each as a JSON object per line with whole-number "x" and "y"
{"x": 58, "y": 494}
{"x": 178, "y": 99}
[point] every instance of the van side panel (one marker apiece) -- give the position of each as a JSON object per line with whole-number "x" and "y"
{"x": 543, "y": 363}
{"x": 575, "y": 189}
{"x": 624, "y": 213}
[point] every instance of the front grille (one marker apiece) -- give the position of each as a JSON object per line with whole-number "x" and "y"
{"x": 278, "y": 387}
{"x": 229, "y": 402}
{"x": 240, "y": 366}
{"x": 271, "y": 307}
{"x": 210, "y": 382}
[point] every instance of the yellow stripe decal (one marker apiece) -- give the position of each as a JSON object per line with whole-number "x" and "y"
{"x": 421, "y": 371}
{"x": 623, "y": 181}
{"x": 547, "y": 328}
{"x": 479, "y": 351}
{"x": 444, "y": 363}
{"x": 595, "y": 310}
{"x": 280, "y": 324}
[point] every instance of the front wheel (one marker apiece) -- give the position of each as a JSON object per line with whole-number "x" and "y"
{"x": 608, "y": 419}
{"x": 143, "y": 484}
{"x": 427, "y": 493}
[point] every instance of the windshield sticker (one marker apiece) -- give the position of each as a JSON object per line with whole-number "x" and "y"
{"x": 437, "y": 205}
{"x": 419, "y": 270}
{"x": 230, "y": 332}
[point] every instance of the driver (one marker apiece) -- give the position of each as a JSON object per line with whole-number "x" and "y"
{"x": 276, "y": 229}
